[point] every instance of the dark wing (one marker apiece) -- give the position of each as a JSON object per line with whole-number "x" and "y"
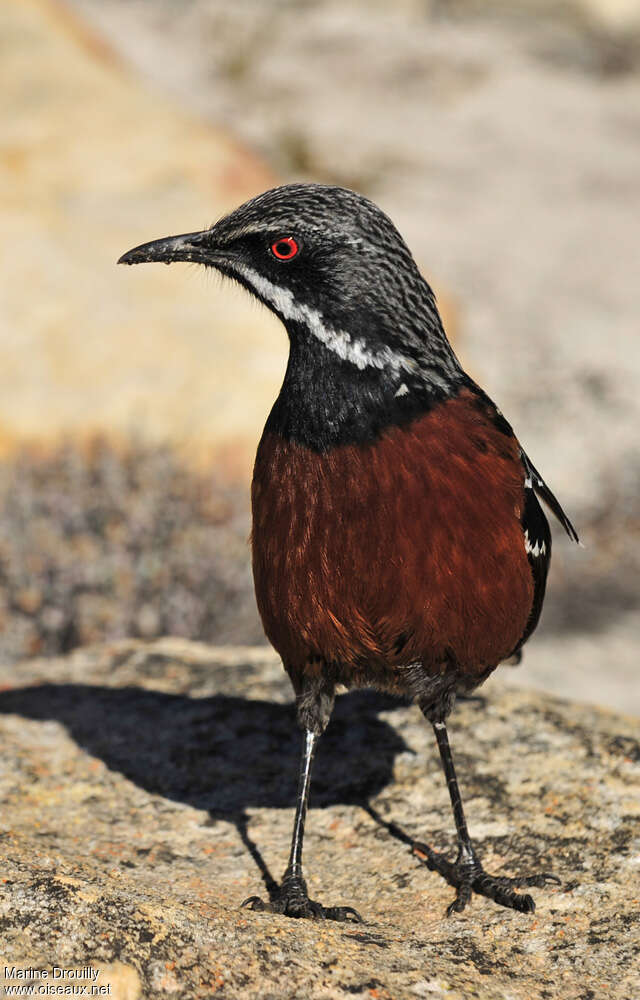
{"x": 537, "y": 537}
{"x": 535, "y": 481}
{"x": 537, "y": 544}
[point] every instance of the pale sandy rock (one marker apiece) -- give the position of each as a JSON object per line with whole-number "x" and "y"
{"x": 92, "y": 163}
{"x": 615, "y": 16}
{"x": 146, "y": 785}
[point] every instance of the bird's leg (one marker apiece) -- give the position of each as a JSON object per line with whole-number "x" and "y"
{"x": 292, "y": 897}
{"x": 466, "y": 873}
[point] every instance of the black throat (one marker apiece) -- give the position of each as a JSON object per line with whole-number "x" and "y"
{"x": 326, "y": 401}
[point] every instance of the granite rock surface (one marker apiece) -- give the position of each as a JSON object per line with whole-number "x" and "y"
{"x": 148, "y": 788}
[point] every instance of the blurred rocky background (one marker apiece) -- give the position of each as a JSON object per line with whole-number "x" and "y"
{"x": 503, "y": 138}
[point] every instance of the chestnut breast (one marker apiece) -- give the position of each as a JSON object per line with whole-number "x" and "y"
{"x": 407, "y": 549}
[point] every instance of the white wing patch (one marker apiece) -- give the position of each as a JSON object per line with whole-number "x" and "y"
{"x": 539, "y": 549}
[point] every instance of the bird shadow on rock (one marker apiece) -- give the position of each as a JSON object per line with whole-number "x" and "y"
{"x": 224, "y": 754}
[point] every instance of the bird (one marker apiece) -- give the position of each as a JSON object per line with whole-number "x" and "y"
{"x": 398, "y": 538}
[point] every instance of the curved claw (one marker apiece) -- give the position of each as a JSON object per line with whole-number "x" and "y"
{"x": 455, "y": 907}
{"x": 544, "y": 878}
{"x": 343, "y": 913}
{"x": 253, "y": 903}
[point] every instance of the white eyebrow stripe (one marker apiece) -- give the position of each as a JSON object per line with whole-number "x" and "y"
{"x": 354, "y": 351}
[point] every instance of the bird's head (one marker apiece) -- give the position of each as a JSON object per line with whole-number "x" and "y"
{"x": 335, "y": 270}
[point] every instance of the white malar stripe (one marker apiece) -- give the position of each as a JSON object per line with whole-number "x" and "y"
{"x": 341, "y": 343}
{"x": 539, "y": 549}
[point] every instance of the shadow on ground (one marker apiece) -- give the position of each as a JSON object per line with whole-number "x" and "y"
{"x": 223, "y": 754}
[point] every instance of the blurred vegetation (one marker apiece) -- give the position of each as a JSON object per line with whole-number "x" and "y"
{"x": 101, "y": 542}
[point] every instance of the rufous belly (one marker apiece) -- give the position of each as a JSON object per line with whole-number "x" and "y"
{"x": 406, "y": 550}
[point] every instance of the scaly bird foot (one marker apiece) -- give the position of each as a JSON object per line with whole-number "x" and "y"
{"x": 467, "y": 876}
{"x": 292, "y": 900}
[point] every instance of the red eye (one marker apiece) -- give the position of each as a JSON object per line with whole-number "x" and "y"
{"x": 285, "y": 248}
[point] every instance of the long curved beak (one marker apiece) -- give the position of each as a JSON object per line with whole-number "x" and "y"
{"x": 196, "y": 247}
